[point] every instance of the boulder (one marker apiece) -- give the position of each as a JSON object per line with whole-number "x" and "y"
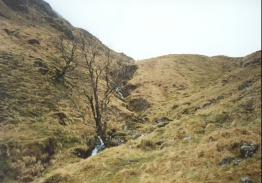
{"x": 248, "y": 150}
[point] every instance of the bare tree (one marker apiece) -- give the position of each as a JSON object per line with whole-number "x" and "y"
{"x": 101, "y": 81}
{"x": 67, "y": 49}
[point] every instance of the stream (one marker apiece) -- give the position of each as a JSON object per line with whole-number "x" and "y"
{"x": 118, "y": 90}
{"x": 98, "y": 147}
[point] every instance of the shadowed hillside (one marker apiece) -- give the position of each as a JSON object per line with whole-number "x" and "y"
{"x": 182, "y": 118}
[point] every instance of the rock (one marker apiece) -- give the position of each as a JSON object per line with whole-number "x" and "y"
{"x": 174, "y": 107}
{"x": 160, "y": 142}
{"x": 236, "y": 162}
{"x": 185, "y": 111}
{"x": 43, "y": 70}
{"x": 198, "y": 107}
{"x": 225, "y": 161}
{"x": 128, "y": 127}
{"x": 187, "y": 138}
{"x": 220, "y": 97}
{"x": 163, "y": 119}
{"x": 162, "y": 124}
{"x": 255, "y": 61}
{"x": 9, "y": 32}
{"x": 245, "y": 85}
{"x": 248, "y": 150}
{"x": 118, "y": 141}
{"x": 136, "y": 136}
{"x": 40, "y": 63}
{"x": 127, "y": 90}
{"x": 245, "y": 180}
{"x": 119, "y": 133}
{"x": 138, "y": 105}
{"x": 212, "y": 101}
{"x": 33, "y": 41}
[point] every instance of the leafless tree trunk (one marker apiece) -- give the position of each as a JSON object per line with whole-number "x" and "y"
{"x": 100, "y": 83}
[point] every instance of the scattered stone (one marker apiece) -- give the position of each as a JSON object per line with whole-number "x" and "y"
{"x": 185, "y": 111}
{"x": 174, "y": 107}
{"x": 248, "y": 150}
{"x": 163, "y": 119}
{"x": 245, "y": 85}
{"x": 33, "y": 41}
{"x": 173, "y": 140}
{"x": 126, "y": 127}
{"x": 160, "y": 142}
{"x": 255, "y": 61}
{"x": 187, "y": 138}
{"x": 236, "y": 162}
{"x": 162, "y": 124}
{"x": 43, "y": 70}
{"x": 199, "y": 107}
{"x": 163, "y": 146}
{"x": 136, "y": 136}
{"x": 118, "y": 141}
{"x": 245, "y": 180}
{"x": 225, "y": 161}
{"x": 9, "y": 32}
{"x": 40, "y": 63}
{"x": 220, "y": 97}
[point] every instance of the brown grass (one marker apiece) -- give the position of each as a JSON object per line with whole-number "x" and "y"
{"x": 35, "y": 147}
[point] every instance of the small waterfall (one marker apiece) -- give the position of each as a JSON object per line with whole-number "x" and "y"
{"x": 118, "y": 90}
{"x": 99, "y": 147}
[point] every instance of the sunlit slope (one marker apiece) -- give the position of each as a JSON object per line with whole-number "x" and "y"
{"x": 212, "y": 106}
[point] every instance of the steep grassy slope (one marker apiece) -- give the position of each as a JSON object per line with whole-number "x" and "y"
{"x": 214, "y": 106}
{"x": 182, "y": 114}
{"x": 38, "y": 123}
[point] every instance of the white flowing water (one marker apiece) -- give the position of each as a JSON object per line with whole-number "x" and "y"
{"x": 118, "y": 90}
{"x": 99, "y": 147}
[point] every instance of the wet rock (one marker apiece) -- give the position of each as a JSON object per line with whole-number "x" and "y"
{"x": 245, "y": 180}
{"x": 245, "y": 85}
{"x": 225, "y": 161}
{"x": 248, "y": 150}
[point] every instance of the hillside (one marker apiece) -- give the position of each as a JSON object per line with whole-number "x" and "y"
{"x": 184, "y": 118}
